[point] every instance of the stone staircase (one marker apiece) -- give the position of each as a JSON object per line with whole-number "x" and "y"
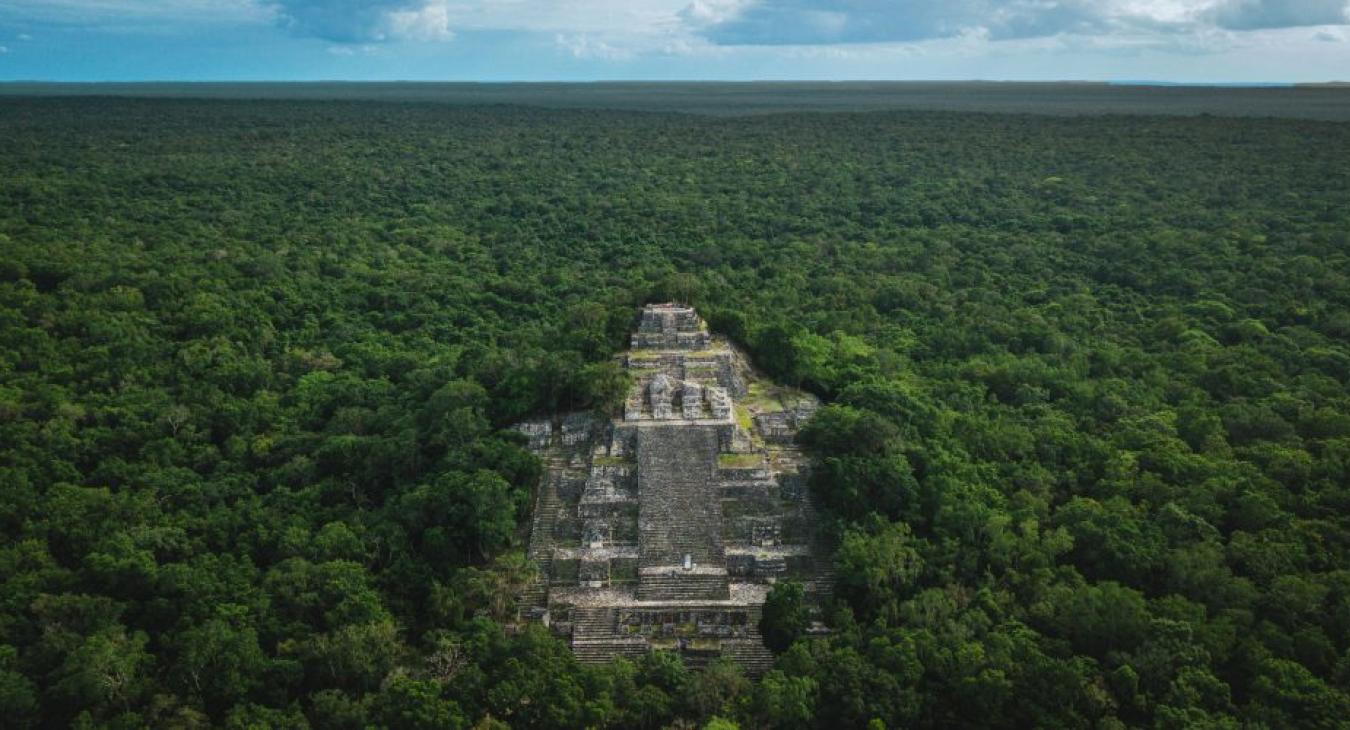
{"x": 753, "y": 656}
{"x": 821, "y": 585}
{"x": 595, "y": 636}
{"x": 680, "y": 513}
{"x": 750, "y": 652}
{"x": 684, "y": 587}
{"x": 546, "y": 507}
{"x": 596, "y": 639}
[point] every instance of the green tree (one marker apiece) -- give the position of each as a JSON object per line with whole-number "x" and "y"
{"x": 106, "y": 672}
{"x": 220, "y": 660}
{"x": 877, "y": 569}
{"x": 785, "y": 615}
{"x": 786, "y": 701}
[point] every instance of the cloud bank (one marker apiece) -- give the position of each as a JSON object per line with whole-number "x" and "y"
{"x": 829, "y": 22}
{"x": 1221, "y": 40}
{"x": 622, "y": 23}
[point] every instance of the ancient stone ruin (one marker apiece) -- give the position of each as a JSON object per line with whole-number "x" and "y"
{"x": 664, "y": 529}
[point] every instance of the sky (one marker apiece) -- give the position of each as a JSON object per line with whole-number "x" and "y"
{"x": 1197, "y": 41}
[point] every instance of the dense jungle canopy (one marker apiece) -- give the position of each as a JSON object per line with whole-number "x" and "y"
{"x": 1086, "y": 454}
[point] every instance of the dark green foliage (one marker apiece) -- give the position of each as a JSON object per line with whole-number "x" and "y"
{"x": 785, "y": 616}
{"x": 841, "y": 430}
{"x": 861, "y": 471}
{"x": 1085, "y": 458}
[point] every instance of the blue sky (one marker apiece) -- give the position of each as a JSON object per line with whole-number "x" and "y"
{"x": 500, "y": 40}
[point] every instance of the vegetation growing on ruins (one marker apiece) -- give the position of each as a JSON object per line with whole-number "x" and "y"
{"x": 1086, "y": 454}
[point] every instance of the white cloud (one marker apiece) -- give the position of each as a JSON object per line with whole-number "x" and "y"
{"x": 366, "y": 21}
{"x": 709, "y": 12}
{"x": 587, "y": 46}
{"x": 625, "y": 24}
{"x": 431, "y": 22}
{"x": 830, "y": 22}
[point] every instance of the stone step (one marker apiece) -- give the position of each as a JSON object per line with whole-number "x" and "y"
{"x": 599, "y": 652}
{"x": 679, "y": 512}
{"x": 591, "y": 627}
{"x": 821, "y": 584}
{"x": 689, "y": 587}
{"x": 594, "y": 637}
{"x": 589, "y": 622}
{"x": 697, "y": 660}
{"x": 540, "y": 549}
{"x": 753, "y": 656}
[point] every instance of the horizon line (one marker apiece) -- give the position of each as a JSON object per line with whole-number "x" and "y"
{"x": 1094, "y": 82}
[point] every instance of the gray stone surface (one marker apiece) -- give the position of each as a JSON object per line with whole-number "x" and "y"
{"x": 680, "y": 511}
